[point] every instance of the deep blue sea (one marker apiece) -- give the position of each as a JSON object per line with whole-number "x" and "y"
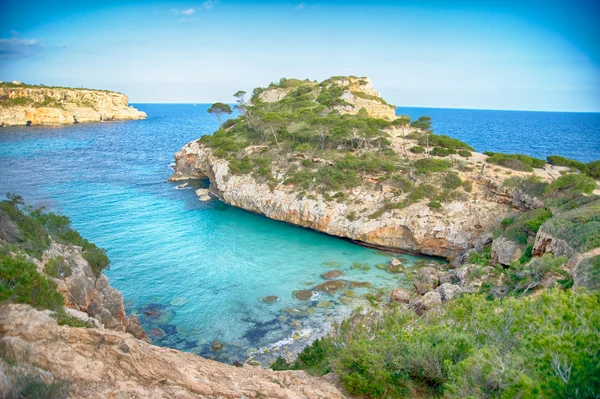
{"x": 539, "y": 134}
{"x": 205, "y": 266}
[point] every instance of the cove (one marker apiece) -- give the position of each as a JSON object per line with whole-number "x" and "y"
{"x": 193, "y": 272}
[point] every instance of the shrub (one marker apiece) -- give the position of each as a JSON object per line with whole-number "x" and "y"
{"x": 20, "y": 282}
{"x": 467, "y": 185}
{"x": 557, "y": 160}
{"x": 64, "y": 319}
{"x": 515, "y": 161}
{"x": 442, "y": 152}
{"x": 446, "y": 142}
{"x": 593, "y": 169}
{"x": 429, "y": 165}
{"x": 417, "y": 149}
{"x": 571, "y": 183}
{"x": 57, "y": 267}
{"x": 578, "y": 226}
{"x": 464, "y": 153}
{"x": 34, "y": 387}
{"x": 452, "y": 181}
{"x": 434, "y": 205}
{"x": 96, "y": 257}
{"x": 240, "y": 166}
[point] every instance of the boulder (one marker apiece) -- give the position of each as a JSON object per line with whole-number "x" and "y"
{"x": 400, "y": 295}
{"x": 448, "y": 291}
{"x": 504, "y": 251}
{"x": 216, "y": 345}
{"x": 426, "y": 302}
{"x": 426, "y": 280}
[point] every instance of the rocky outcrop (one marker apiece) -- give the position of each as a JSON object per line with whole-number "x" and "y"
{"x": 505, "y": 251}
{"x": 360, "y": 94}
{"x": 100, "y": 363}
{"x": 85, "y": 292}
{"x": 37, "y": 105}
{"x": 416, "y": 228}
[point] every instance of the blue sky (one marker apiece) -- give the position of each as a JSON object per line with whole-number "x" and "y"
{"x": 529, "y": 55}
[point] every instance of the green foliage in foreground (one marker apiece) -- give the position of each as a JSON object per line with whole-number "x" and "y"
{"x": 34, "y": 387}
{"x": 34, "y": 227}
{"x": 526, "y": 225}
{"x": 542, "y": 347}
{"x": 20, "y": 282}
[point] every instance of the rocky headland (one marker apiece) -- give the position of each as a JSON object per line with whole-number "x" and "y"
{"x": 333, "y": 156}
{"x": 27, "y": 105}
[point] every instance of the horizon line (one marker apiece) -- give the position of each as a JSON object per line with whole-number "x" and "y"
{"x": 398, "y": 106}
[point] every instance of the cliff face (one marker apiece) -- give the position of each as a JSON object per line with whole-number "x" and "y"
{"x": 86, "y": 293}
{"x": 99, "y": 363}
{"x": 417, "y": 228}
{"x": 33, "y": 105}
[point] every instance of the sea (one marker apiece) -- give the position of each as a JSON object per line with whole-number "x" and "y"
{"x": 195, "y": 272}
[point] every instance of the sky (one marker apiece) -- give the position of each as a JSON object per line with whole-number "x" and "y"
{"x": 517, "y": 55}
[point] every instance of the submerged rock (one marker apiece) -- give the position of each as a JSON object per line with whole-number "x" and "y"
{"x": 330, "y": 287}
{"x": 179, "y": 301}
{"x": 303, "y": 295}
{"x": 270, "y": 299}
{"x": 216, "y": 345}
{"x": 360, "y": 284}
{"x": 332, "y": 274}
{"x": 156, "y": 332}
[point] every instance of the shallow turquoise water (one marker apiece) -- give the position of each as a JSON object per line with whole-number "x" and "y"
{"x": 203, "y": 266}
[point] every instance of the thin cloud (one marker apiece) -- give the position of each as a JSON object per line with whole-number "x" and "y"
{"x": 301, "y": 6}
{"x": 184, "y": 11}
{"x": 16, "y": 47}
{"x": 209, "y": 4}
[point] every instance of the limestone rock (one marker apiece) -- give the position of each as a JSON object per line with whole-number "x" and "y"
{"x": 415, "y": 228}
{"x": 448, "y": 291}
{"x": 426, "y": 302}
{"x": 88, "y": 293}
{"x": 400, "y": 295}
{"x": 72, "y": 106}
{"x": 426, "y": 280}
{"x": 330, "y": 287}
{"x": 505, "y": 251}
{"x": 100, "y": 363}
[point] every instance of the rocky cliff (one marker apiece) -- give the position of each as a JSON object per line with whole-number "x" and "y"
{"x": 100, "y": 363}
{"x": 24, "y": 105}
{"x": 416, "y": 228}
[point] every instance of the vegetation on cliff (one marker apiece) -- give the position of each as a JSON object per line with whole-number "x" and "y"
{"x": 499, "y": 341}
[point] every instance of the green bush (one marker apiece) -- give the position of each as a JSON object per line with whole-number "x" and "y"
{"x": 557, "y": 160}
{"x": 577, "y": 223}
{"x": 96, "y": 257}
{"x": 64, "y": 319}
{"x": 526, "y": 225}
{"x": 240, "y": 166}
{"x": 430, "y": 165}
{"x": 467, "y": 185}
{"x": 434, "y": 205}
{"x": 452, "y": 181}
{"x": 464, "y": 153}
{"x": 571, "y": 183}
{"x": 57, "y": 267}
{"x": 446, "y": 142}
{"x": 515, "y": 161}
{"x": 20, "y": 282}
{"x": 34, "y": 387}
{"x": 442, "y": 152}
{"x": 417, "y": 149}
{"x": 593, "y": 169}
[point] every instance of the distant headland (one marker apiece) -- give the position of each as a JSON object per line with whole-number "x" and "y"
{"x": 28, "y": 105}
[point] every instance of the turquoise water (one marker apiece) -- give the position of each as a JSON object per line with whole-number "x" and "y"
{"x": 196, "y": 270}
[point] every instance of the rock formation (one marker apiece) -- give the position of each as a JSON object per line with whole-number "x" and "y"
{"x": 24, "y": 105}
{"x": 100, "y": 363}
{"x": 416, "y": 229}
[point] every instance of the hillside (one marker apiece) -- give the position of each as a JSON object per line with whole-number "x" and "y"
{"x": 27, "y": 105}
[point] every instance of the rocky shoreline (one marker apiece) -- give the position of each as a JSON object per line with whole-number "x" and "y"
{"x": 24, "y": 105}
